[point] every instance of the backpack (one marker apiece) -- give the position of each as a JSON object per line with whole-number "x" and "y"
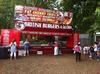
{"x": 91, "y": 49}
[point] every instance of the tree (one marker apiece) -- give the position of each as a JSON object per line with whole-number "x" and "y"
{"x": 6, "y": 13}
{"x": 96, "y": 26}
{"x": 83, "y": 13}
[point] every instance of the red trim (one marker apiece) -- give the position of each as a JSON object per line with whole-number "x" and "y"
{"x": 47, "y": 32}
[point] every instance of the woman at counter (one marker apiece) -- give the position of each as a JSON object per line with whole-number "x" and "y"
{"x": 13, "y": 49}
{"x": 55, "y": 48}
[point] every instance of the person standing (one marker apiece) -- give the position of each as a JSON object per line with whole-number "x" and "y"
{"x": 91, "y": 52}
{"x": 55, "y": 48}
{"x": 13, "y": 49}
{"x": 95, "y": 50}
{"x": 98, "y": 51}
{"x": 60, "y": 47}
{"x": 77, "y": 49}
{"x": 26, "y": 46}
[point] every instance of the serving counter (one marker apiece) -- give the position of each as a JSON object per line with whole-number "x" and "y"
{"x": 47, "y": 50}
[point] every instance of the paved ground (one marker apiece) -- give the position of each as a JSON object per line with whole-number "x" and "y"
{"x": 45, "y": 64}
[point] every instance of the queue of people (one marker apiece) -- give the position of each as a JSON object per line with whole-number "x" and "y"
{"x": 13, "y": 48}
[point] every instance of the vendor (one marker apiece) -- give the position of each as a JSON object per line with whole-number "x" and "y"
{"x": 55, "y": 48}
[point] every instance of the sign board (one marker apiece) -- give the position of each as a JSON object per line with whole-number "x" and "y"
{"x": 34, "y": 17}
{"x": 7, "y": 35}
{"x": 40, "y": 52}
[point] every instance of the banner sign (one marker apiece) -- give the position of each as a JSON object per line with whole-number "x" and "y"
{"x": 32, "y": 15}
{"x": 20, "y": 25}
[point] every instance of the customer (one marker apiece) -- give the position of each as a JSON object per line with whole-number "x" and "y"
{"x": 91, "y": 52}
{"x": 26, "y": 47}
{"x": 13, "y": 49}
{"x": 98, "y": 51}
{"x": 77, "y": 50}
{"x": 95, "y": 50}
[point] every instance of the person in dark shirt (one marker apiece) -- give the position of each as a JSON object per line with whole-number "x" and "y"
{"x": 26, "y": 46}
{"x": 91, "y": 52}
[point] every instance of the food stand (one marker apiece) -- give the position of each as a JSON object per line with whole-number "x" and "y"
{"x": 42, "y": 27}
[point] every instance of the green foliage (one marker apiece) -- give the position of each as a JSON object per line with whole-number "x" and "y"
{"x": 2, "y": 23}
{"x": 83, "y": 13}
{"x": 6, "y": 13}
{"x": 96, "y": 26}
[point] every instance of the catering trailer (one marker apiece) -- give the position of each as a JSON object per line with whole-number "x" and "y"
{"x": 39, "y": 42}
{"x": 41, "y": 27}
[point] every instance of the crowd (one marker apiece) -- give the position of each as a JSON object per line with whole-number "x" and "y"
{"x": 93, "y": 51}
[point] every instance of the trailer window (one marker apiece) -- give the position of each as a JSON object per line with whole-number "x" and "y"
{"x": 62, "y": 41}
{"x": 37, "y": 40}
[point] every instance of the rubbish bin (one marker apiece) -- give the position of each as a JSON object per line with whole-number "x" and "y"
{"x": 4, "y": 54}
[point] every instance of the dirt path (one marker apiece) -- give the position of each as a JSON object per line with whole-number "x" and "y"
{"x": 45, "y": 64}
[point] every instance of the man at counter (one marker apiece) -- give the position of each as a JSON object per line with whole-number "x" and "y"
{"x": 26, "y": 46}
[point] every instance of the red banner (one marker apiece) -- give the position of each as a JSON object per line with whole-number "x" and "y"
{"x": 46, "y": 33}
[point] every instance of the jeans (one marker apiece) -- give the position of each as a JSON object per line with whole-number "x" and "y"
{"x": 78, "y": 56}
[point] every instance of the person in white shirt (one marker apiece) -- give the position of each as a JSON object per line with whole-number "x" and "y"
{"x": 13, "y": 49}
{"x": 95, "y": 50}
